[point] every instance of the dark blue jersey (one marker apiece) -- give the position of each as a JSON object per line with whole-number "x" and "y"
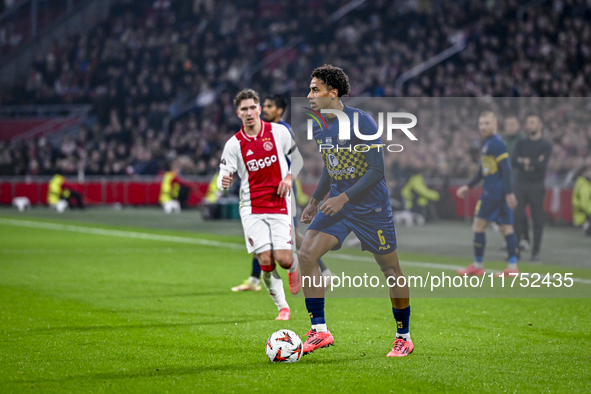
{"x": 494, "y": 151}
{"x": 346, "y": 163}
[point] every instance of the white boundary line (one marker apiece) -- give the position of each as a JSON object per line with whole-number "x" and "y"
{"x": 205, "y": 242}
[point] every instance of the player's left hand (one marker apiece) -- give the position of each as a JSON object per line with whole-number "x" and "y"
{"x": 284, "y": 186}
{"x": 334, "y": 204}
{"x": 511, "y": 200}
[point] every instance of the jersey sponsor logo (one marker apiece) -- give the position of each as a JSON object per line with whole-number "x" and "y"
{"x": 384, "y": 247}
{"x": 249, "y": 153}
{"x": 255, "y": 165}
{"x": 346, "y": 171}
{"x": 268, "y": 146}
{"x": 224, "y": 161}
{"x": 332, "y": 159}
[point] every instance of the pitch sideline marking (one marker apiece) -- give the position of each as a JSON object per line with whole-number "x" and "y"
{"x": 205, "y": 242}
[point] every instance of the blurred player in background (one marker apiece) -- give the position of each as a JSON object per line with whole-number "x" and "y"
{"x": 530, "y": 158}
{"x": 358, "y": 202}
{"x": 258, "y": 153}
{"x": 273, "y": 109}
{"x": 62, "y": 194}
{"x": 497, "y": 200}
{"x": 511, "y": 136}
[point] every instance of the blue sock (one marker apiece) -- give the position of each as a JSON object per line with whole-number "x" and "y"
{"x": 315, "y": 308}
{"x": 256, "y": 268}
{"x": 512, "y": 247}
{"x": 402, "y": 317}
{"x": 479, "y": 244}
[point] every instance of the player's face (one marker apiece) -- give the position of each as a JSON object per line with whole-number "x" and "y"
{"x": 249, "y": 112}
{"x": 319, "y": 95}
{"x": 270, "y": 111}
{"x": 533, "y": 124}
{"x": 511, "y": 126}
{"x": 487, "y": 126}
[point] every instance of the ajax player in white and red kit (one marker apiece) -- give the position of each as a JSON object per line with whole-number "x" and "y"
{"x": 259, "y": 153}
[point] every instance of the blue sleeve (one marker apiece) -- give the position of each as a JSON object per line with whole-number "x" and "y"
{"x": 367, "y": 126}
{"x": 375, "y": 173}
{"x": 505, "y": 167}
{"x": 477, "y": 177}
{"x": 323, "y": 186}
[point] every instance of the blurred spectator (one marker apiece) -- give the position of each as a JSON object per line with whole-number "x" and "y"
{"x": 150, "y": 58}
{"x": 581, "y": 201}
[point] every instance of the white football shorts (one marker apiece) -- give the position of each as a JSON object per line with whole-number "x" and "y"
{"x": 265, "y": 231}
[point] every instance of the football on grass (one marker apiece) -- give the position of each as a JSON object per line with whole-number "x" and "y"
{"x": 284, "y": 346}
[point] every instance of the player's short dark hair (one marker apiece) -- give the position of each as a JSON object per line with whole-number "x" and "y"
{"x": 245, "y": 95}
{"x": 334, "y": 78}
{"x": 279, "y": 100}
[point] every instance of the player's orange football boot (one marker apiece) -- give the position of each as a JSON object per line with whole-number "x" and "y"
{"x": 317, "y": 340}
{"x": 471, "y": 271}
{"x": 401, "y": 348}
{"x": 284, "y": 314}
{"x": 508, "y": 273}
{"x": 295, "y": 281}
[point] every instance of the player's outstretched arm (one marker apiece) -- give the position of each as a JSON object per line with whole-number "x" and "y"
{"x": 463, "y": 190}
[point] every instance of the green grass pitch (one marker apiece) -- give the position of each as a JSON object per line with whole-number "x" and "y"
{"x": 117, "y": 311}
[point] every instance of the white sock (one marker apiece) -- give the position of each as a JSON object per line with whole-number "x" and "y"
{"x": 274, "y": 285}
{"x": 294, "y": 264}
{"x": 319, "y": 327}
{"x": 478, "y": 264}
{"x": 406, "y": 336}
{"x": 512, "y": 266}
{"x": 254, "y": 281}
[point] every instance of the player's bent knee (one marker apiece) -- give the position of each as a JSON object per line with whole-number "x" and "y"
{"x": 391, "y": 271}
{"x": 265, "y": 260}
{"x": 304, "y": 256}
{"x": 285, "y": 262}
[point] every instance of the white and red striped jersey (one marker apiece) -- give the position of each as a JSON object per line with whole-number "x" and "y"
{"x": 261, "y": 164}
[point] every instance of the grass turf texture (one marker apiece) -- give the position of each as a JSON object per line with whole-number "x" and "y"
{"x": 97, "y": 313}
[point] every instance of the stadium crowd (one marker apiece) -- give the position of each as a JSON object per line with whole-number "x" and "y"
{"x": 152, "y": 58}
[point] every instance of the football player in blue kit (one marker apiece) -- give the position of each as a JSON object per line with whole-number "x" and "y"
{"x": 358, "y": 201}
{"x": 497, "y": 201}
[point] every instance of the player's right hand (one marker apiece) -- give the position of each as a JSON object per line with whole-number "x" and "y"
{"x": 511, "y": 201}
{"x": 309, "y": 212}
{"x": 227, "y": 181}
{"x": 462, "y": 191}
